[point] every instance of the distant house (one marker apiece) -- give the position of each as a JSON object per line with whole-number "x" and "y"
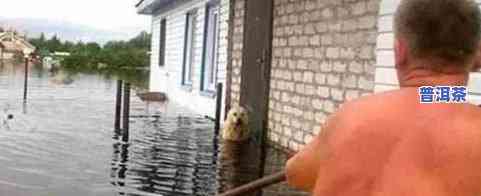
{"x": 61, "y": 54}
{"x": 14, "y": 44}
{"x": 189, "y": 49}
{"x": 52, "y": 60}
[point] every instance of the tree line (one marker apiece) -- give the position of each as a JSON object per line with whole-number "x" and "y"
{"x": 93, "y": 56}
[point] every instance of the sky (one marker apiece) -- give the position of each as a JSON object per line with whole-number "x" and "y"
{"x": 100, "y": 14}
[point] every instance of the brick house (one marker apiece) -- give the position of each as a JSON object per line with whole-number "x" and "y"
{"x": 320, "y": 53}
{"x": 11, "y": 44}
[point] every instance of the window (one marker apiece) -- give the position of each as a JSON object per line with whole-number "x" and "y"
{"x": 163, "y": 24}
{"x": 188, "y": 49}
{"x": 209, "y": 66}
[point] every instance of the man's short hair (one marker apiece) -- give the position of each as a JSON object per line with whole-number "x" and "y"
{"x": 444, "y": 29}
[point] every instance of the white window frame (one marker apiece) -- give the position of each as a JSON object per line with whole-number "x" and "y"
{"x": 189, "y": 45}
{"x": 211, "y": 47}
{"x": 162, "y": 41}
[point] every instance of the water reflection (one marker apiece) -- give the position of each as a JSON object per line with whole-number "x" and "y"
{"x": 238, "y": 164}
{"x": 62, "y": 78}
{"x": 119, "y": 165}
{"x": 175, "y": 155}
{"x": 172, "y": 157}
{"x": 24, "y": 106}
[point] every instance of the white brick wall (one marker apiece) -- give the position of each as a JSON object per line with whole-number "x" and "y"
{"x": 385, "y": 73}
{"x": 323, "y": 55}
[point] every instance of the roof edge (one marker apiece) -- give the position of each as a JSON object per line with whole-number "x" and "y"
{"x": 138, "y": 4}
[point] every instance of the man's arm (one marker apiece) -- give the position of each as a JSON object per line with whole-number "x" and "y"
{"x": 303, "y": 168}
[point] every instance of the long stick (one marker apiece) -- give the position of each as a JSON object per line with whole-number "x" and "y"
{"x": 256, "y": 185}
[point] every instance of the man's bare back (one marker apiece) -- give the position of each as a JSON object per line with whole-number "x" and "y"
{"x": 397, "y": 146}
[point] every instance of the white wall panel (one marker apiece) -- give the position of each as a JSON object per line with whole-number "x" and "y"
{"x": 168, "y": 78}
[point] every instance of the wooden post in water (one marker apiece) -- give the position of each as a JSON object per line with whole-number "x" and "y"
{"x": 25, "y": 83}
{"x": 256, "y": 68}
{"x": 218, "y": 111}
{"x": 126, "y": 113}
{"x": 218, "y": 108}
{"x": 1, "y": 54}
{"x": 118, "y": 107}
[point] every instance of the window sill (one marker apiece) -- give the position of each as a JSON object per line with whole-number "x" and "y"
{"x": 208, "y": 93}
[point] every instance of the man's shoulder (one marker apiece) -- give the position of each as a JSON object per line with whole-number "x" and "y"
{"x": 379, "y": 101}
{"x": 372, "y": 106}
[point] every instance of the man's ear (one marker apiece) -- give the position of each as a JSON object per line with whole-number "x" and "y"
{"x": 400, "y": 53}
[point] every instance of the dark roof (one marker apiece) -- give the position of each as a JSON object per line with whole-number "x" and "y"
{"x": 148, "y": 7}
{"x": 140, "y": 2}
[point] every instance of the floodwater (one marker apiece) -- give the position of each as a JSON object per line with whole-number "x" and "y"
{"x": 61, "y": 141}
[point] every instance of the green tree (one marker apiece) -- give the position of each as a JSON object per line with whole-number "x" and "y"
{"x": 93, "y": 47}
{"x": 68, "y": 46}
{"x": 114, "y": 54}
{"x": 54, "y": 44}
{"x": 141, "y": 41}
{"x": 42, "y": 38}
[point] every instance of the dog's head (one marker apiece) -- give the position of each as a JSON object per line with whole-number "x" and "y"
{"x": 237, "y": 116}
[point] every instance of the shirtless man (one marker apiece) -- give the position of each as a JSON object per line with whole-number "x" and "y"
{"x": 389, "y": 144}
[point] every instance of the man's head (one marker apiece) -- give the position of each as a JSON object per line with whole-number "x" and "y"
{"x": 437, "y": 35}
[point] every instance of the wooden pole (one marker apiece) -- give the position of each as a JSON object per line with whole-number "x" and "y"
{"x": 1, "y": 54}
{"x": 118, "y": 107}
{"x": 218, "y": 111}
{"x": 257, "y": 185}
{"x": 25, "y": 83}
{"x": 218, "y": 108}
{"x": 126, "y": 113}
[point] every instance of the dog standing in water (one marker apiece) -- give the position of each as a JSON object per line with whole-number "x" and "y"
{"x": 236, "y": 125}
{"x": 238, "y": 161}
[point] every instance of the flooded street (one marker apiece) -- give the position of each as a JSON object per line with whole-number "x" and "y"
{"x": 61, "y": 141}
